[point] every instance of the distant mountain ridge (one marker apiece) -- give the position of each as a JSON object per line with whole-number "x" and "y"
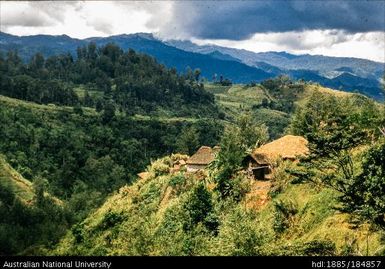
{"x": 326, "y": 70}
{"x": 286, "y": 61}
{"x": 241, "y": 66}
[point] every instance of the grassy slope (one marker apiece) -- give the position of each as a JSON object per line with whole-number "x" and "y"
{"x": 80, "y": 91}
{"x": 87, "y": 111}
{"x": 241, "y": 97}
{"x": 317, "y": 219}
{"x": 237, "y": 99}
{"x": 22, "y": 187}
{"x": 12, "y": 102}
{"x": 310, "y": 88}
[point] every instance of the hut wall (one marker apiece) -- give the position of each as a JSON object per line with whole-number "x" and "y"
{"x": 195, "y": 167}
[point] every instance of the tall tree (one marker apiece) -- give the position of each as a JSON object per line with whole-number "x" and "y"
{"x": 188, "y": 141}
{"x": 251, "y": 133}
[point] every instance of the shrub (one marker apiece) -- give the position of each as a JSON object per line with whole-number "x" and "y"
{"x": 77, "y": 232}
{"x": 199, "y": 209}
{"x": 160, "y": 168}
{"x": 240, "y": 235}
{"x": 111, "y": 219}
{"x": 176, "y": 180}
{"x": 319, "y": 247}
{"x": 281, "y": 177}
{"x": 211, "y": 222}
{"x": 283, "y": 215}
{"x": 240, "y": 186}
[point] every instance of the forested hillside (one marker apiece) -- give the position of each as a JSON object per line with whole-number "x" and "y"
{"x": 106, "y": 77}
{"x": 85, "y": 127}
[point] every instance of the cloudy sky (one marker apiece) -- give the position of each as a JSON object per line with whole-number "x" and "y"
{"x": 354, "y": 28}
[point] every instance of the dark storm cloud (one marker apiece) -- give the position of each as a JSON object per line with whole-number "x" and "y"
{"x": 238, "y": 20}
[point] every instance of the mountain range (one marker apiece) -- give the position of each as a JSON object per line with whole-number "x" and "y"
{"x": 240, "y": 66}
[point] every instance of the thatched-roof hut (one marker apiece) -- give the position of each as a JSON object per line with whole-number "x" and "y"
{"x": 262, "y": 159}
{"x": 203, "y": 157}
{"x": 289, "y": 147}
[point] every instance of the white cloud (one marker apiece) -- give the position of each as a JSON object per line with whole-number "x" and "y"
{"x": 80, "y": 19}
{"x": 369, "y": 45}
{"x": 19, "y": 13}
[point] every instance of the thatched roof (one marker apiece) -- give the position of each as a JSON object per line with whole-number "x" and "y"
{"x": 216, "y": 149}
{"x": 203, "y": 156}
{"x": 260, "y": 158}
{"x": 287, "y": 147}
{"x": 143, "y": 175}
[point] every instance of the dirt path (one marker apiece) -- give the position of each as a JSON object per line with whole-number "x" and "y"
{"x": 258, "y": 196}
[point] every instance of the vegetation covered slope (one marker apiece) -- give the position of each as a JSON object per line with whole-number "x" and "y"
{"x": 237, "y": 99}
{"x": 83, "y": 139}
{"x": 182, "y": 214}
{"x": 30, "y": 217}
{"x": 10, "y": 178}
{"x": 328, "y": 203}
{"x": 272, "y": 102}
{"x": 106, "y": 110}
{"x": 82, "y": 129}
{"x": 80, "y": 155}
{"x": 128, "y": 81}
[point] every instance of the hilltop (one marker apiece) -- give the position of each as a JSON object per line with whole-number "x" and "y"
{"x": 273, "y": 107}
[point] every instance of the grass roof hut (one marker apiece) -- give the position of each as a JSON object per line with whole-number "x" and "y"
{"x": 262, "y": 159}
{"x": 203, "y": 157}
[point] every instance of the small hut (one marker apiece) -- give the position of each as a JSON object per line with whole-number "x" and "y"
{"x": 261, "y": 161}
{"x": 257, "y": 166}
{"x": 203, "y": 157}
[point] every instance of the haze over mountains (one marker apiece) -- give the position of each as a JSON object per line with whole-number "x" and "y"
{"x": 241, "y": 66}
